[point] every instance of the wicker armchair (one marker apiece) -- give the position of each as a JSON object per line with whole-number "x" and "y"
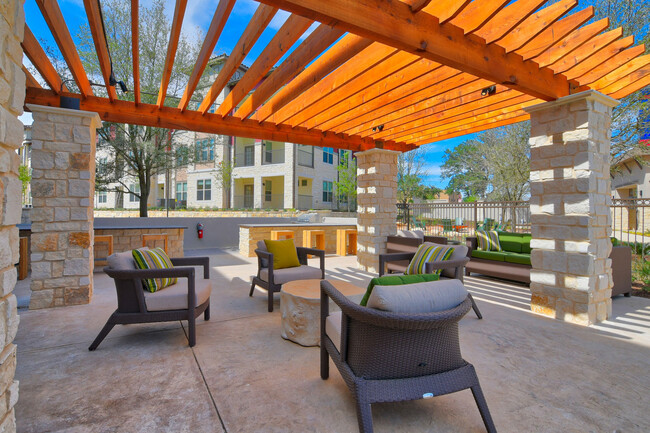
{"x": 386, "y": 356}
{"x": 272, "y": 280}
{"x": 185, "y": 300}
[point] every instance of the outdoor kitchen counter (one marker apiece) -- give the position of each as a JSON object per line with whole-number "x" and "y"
{"x": 250, "y": 234}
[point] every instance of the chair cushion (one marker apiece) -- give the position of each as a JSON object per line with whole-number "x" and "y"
{"x": 490, "y": 255}
{"x": 396, "y": 280}
{"x": 427, "y": 252}
{"x": 284, "y": 253}
{"x": 427, "y": 297}
{"x": 488, "y": 240}
{"x": 302, "y": 272}
{"x": 121, "y": 261}
{"x": 175, "y": 297}
{"x": 155, "y": 258}
{"x": 459, "y": 252}
{"x": 262, "y": 246}
{"x": 333, "y": 328}
{"x": 510, "y": 242}
{"x": 419, "y": 234}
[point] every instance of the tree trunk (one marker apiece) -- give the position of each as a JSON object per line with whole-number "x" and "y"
{"x": 144, "y": 197}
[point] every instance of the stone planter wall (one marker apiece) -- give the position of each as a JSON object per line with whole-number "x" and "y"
{"x": 130, "y": 239}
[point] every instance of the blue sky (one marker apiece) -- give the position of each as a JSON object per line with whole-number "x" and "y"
{"x": 196, "y": 16}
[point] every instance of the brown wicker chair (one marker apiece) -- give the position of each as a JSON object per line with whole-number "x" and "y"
{"x": 387, "y": 357}
{"x": 132, "y": 300}
{"x": 272, "y": 280}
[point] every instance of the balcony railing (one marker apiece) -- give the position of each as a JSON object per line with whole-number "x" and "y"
{"x": 304, "y": 202}
{"x": 274, "y": 156}
{"x": 244, "y": 159}
{"x": 243, "y": 202}
{"x": 305, "y": 158}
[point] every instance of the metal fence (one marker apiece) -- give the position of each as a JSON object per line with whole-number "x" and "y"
{"x": 630, "y": 218}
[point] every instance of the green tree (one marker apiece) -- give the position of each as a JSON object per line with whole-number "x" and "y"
{"x": 137, "y": 152}
{"x": 494, "y": 165}
{"x": 410, "y": 171}
{"x": 224, "y": 177}
{"x": 346, "y": 185}
{"x": 25, "y": 176}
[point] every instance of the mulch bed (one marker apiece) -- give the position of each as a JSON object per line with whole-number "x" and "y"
{"x": 637, "y": 290}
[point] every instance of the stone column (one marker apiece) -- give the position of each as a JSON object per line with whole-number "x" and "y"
{"x": 63, "y": 187}
{"x": 376, "y": 204}
{"x": 571, "y": 278}
{"x": 12, "y": 98}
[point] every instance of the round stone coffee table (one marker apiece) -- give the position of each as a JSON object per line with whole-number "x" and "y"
{"x": 300, "y": 308}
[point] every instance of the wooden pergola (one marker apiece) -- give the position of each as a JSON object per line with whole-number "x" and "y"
{"x": 373, "y": 74}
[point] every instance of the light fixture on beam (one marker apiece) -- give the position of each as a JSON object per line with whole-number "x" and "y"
{"x": 488, "y": 91}
{"x": 378, "y": 128}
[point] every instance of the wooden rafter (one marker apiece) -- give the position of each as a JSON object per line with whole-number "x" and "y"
{"x": 418, "y": 5}
{"x": 405, "y": 66}
{"x": 173, "y": 118}
{"x": 101, "y": 45}
{"x": 473, "y": 127}
{"x": 615, "y": 62}
{"x": 555, "y": 33}
{"x": 507, "y": 19}
{"x": 622, "y": 71}
{"x": 587, "y": 49}
{"x": 56, "y": 23}
{"x": 368, "y": 58}
{"x": 476, "y": 14}
{"x": 564, "y": 47}
{"x": 262, "y": 17}
{"x": 446, "y": 10}
{"x": 443, "y": 43}
{"x": 135, "y": 50}
{"x": 219, "y": 19}
{"x": 634, "y": 86}
{"x": 599, "y": 57}
{"x": 30, "y": 80}
{"x": 315, "y": 44}
{"x": 344, "y": 50}
{"x": 174, "y": 35}
{"x": 288, "y": 34}
{"x": 632, "y": 78}
{"x": 37, "y": 56}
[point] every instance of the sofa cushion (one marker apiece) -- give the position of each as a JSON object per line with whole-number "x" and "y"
{"x": 284, "y": 253}
{"x": 522, "y": 259}
{"x": 121, "y": 261}
{"x": 302, "y": 272}
{"x": 489, "y": 255}
{"x": 428, "y": 252}
{"x": 488, "y": 240}
{"x": 155, "y": 258}
{"x": 427, "y": 297}
{"x": 396, "y": 280}
{"x": 459, "y": 252}
{"x": 510, "y": 242}
{"x": 175, "y": 297}
{"x": 333, "y": 328}
{"x": 525, "y": 246}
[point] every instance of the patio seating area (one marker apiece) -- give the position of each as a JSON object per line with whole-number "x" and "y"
{"x": 537, "y": 374}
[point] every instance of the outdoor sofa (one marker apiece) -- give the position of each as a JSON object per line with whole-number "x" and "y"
{"x": 513, "y": 263}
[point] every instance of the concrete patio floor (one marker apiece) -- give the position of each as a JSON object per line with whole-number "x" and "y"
{"x": 538, "y": 374}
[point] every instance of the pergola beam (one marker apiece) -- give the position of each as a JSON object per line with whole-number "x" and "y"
{"x": 446, "y": 10}
{"x": 288, "y": 34}
{"x": 313, "y": 45}
{"x": 507, "y": 19}
{"x": 349, "y": 46}
{"x": 599, "y": 57}
{"x": 56, "y": 23}
{"x": 586, "y": 49}
{"x": 219, "y": 19}
{"x": 41, "y": 62}
{"x": 393, "y": 23}
{"x": 97, "y": 30}
{"x": 477, "y": 14}
{"x": 261, "y": 18}
{"x": 575, "y": 39}
{"x": 614, "y": 63}
{"x": 174, "y": 35}
{"x": 30, "y": 80}
{"x": 173, "y": 118}
{"x": 474, "y": 127}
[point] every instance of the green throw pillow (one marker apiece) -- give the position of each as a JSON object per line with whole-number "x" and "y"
{"x": 396, "y": 280}
{"x": 488, "y": 240}
{"x": 284, "y": 253}
{"x": 428, "y": 252}
{"x": 155, "y": 258}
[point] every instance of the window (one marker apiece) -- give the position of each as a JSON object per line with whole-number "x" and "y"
{"x": 328, "y": 155}
{"x": 268, "y": 188}
{"x": 204, "y": 189}
{"x": 249, "y": 155}
{"x": 182, "y": 156}
{"x": 181, "y": 191}
{"x": 135, "y": 187}
{"x": 327, "y": 191}
{"x": 343, "y": 158}
{"x": 102, "y": 197}
{"x": 205, "y": 150}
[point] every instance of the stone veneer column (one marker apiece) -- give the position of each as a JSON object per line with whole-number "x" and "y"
{"x": 376, "y": 204}
{"x": 63, "y": 186}
{"x": 12, "y": 98}
{"x": 571, "y": 278}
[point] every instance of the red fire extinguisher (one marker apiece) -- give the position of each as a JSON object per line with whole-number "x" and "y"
{"x": 199, "y": 230}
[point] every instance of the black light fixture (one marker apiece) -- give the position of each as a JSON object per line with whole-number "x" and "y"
{"x": 111, "y": 79}
{"x": 378, "y": 128}
{"x": 69, "y": 102}
{"x": 489, "y": 90}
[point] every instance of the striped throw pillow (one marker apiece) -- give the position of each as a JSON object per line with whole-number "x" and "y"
{"x": 488, "y": 240}
{"x": 427, "y": 252}
{"x": 155, "y": 258}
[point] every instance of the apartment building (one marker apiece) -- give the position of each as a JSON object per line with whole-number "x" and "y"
{"x": 265, "y": 174}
